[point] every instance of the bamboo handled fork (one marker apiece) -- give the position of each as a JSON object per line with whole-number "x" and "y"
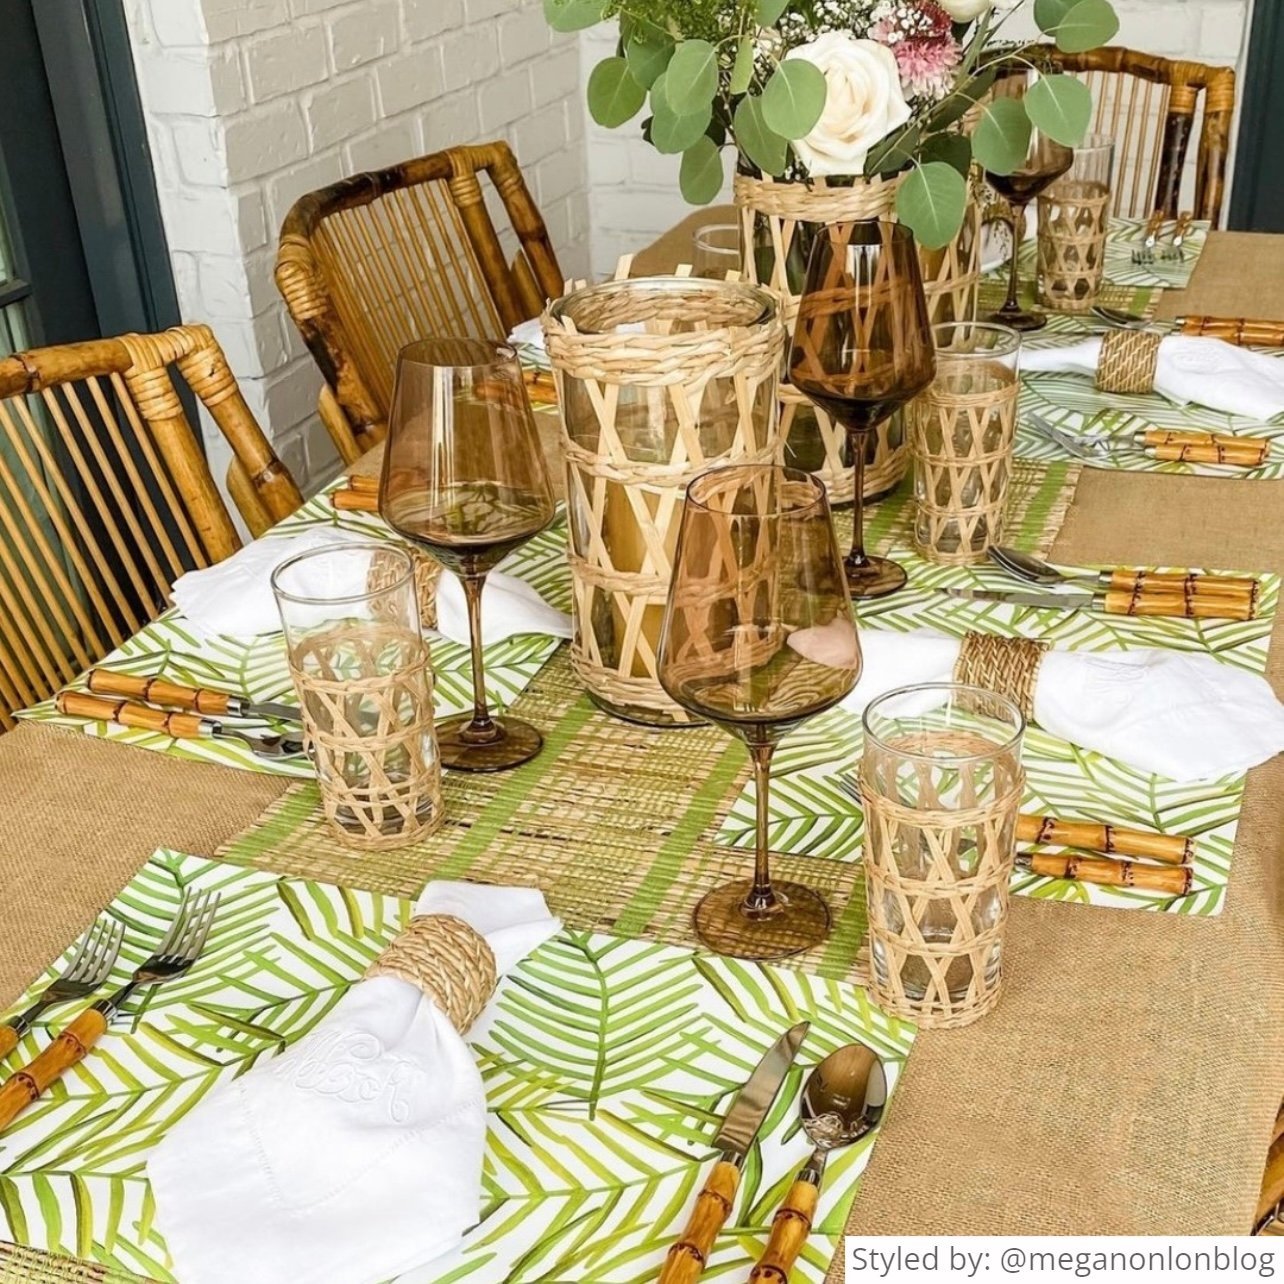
{"x": 90, "y": 966}
{"x": 179, "y": 949}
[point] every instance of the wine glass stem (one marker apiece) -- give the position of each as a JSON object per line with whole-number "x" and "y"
{"x": 1011, "y": 303}
{"x": 482, "y": 721}
{"x": 761, "y": 898}
{"x": 857, "y": 556}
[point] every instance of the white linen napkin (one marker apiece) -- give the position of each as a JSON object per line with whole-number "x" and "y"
{"x": 1209, "y": 372}
{"x": 234, "y": 597}
{"x": 356, "y": 1154}
{"x": 1171, "y": 713}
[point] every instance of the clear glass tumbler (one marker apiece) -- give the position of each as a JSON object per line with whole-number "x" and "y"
{"x": 941, "y": 781}
{"x": 717, "y": 250}
{"x": 364, "y": 678}
{"x": 962, "y": 434}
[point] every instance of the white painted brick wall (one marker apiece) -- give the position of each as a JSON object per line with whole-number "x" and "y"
{"x": 251, "y": 103}
{"x": 634, "y": 195}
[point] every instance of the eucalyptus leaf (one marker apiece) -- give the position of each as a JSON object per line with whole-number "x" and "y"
{"x": 701, "y": 176}
{"x": 1088, "y": 24}
{"x": 954, "y": 150}
{"x": 742, "y": 69}
{"x": 1048, "y": 14}
{"x": 769, "y": 11}
{"x": 691, "y": 80}
{"x": 759, "y": 142}
{"x": 613, "y": 95}
{"x": 794, "y": 98}
{"x": 671, "y": 134}
{"x": 1061, "y": 107}
{"x": 1002, "y": 136}
{"x": 931, "y": 201}
{"x": 574, "y": 15}
{"x": 647, "y": 52}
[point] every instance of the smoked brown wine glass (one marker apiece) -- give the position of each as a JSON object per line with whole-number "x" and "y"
{"x": 464, "y": 478}
{"x": 862, "y": 348}
{"x": 758, "y": 636}
{"x": 1045, "y": 162}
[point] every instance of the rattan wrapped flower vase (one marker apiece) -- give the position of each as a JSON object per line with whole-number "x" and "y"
{"x": 941, "y": 785}
{"x": 779, "y": 220}
{"x": 659, "y": 379}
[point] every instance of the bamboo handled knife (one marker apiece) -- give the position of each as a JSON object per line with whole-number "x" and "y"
{"x": 687, "y": 1258}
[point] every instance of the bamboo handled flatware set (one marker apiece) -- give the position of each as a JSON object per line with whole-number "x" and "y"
{"x": 88, "y": 971}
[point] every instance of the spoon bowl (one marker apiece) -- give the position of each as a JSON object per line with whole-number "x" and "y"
{"x": 1024, "y": 566}
{"x": 842, "y": 1100}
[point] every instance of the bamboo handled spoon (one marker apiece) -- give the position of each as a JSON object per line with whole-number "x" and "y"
{"x": 842, "y": 1100}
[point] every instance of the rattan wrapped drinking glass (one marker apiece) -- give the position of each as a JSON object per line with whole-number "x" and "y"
{"x": 659, "y": 379}
{"x": 941, "y": 783}
{"x": 364, "y": 679}
{"x": 1074, "y": 216}
{"x": 962, "y": 432}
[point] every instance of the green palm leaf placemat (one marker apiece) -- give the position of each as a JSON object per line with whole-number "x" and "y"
{"x": 608, "y": 1063}
{"x": 813, "y": 815}
{"x": 256, "y": 667}
{"x": 1123, "y": 238}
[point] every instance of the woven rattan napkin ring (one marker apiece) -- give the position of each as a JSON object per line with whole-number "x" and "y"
{"x": 1009, "y": 666}
{"x": 445, "y": 958}
{"x": 1128, "y": 362}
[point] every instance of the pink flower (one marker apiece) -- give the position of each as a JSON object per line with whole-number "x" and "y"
{"x": 920, "y": 34}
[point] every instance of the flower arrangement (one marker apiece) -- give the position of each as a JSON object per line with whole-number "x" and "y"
{"x": 844, "y": 90}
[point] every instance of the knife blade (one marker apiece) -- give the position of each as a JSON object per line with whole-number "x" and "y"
{"x": 1075, "y": 600}
{"x": 686, "y": 1259}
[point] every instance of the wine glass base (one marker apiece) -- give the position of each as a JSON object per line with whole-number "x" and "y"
{"x": 875, "y": 577}
{"x": 1022, "y": 319}
{"x": 517, "y": 742}
{"x": 724, "y": 924}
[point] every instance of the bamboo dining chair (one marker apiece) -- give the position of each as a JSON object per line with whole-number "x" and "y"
{"x": 381, "y": 259}
{"x": 1151, "y": 107}
{"x": 106, "y": 497}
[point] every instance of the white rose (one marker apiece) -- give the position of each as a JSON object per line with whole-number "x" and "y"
{"x": 863, "y": 103}
{"x": 965, "y": 10}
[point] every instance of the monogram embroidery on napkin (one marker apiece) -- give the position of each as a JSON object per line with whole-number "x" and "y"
{"x": 355, "y": 1067}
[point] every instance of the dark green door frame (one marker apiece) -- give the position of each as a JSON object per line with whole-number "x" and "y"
{"x": 1257, "y": 193}
{"x": 80, "y": 196}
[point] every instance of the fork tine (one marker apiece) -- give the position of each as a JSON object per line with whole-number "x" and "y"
{"x": 86, "y": 961}
{"x": 72, "y": 971}
{"x": 197, "y": 944}
{"x": 181, "y": 949}
{"x": 176, "y": 927}
{"x": 109, "y": 954}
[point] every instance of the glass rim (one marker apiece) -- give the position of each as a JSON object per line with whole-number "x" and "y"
{"x": 1095, "y": 143}
{"x": 1019, "y": 726}
{"x": 819, "y": 498}
{"x": 701, "y": 236}
{"x": 768, "y": 302}
{"x": 1011, "y": 338}
{"x": 492, "y": 353}
{"x": 372, "y": 546}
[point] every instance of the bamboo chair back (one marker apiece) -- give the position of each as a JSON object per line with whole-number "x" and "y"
{"x": 379, "y": 260}
{"x": 1152, "y": 107}
{"x": 106, "y": 498}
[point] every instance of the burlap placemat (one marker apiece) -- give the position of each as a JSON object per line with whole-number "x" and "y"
{"x": 1239, "y": 274}
{"x": 81, "y": 815}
